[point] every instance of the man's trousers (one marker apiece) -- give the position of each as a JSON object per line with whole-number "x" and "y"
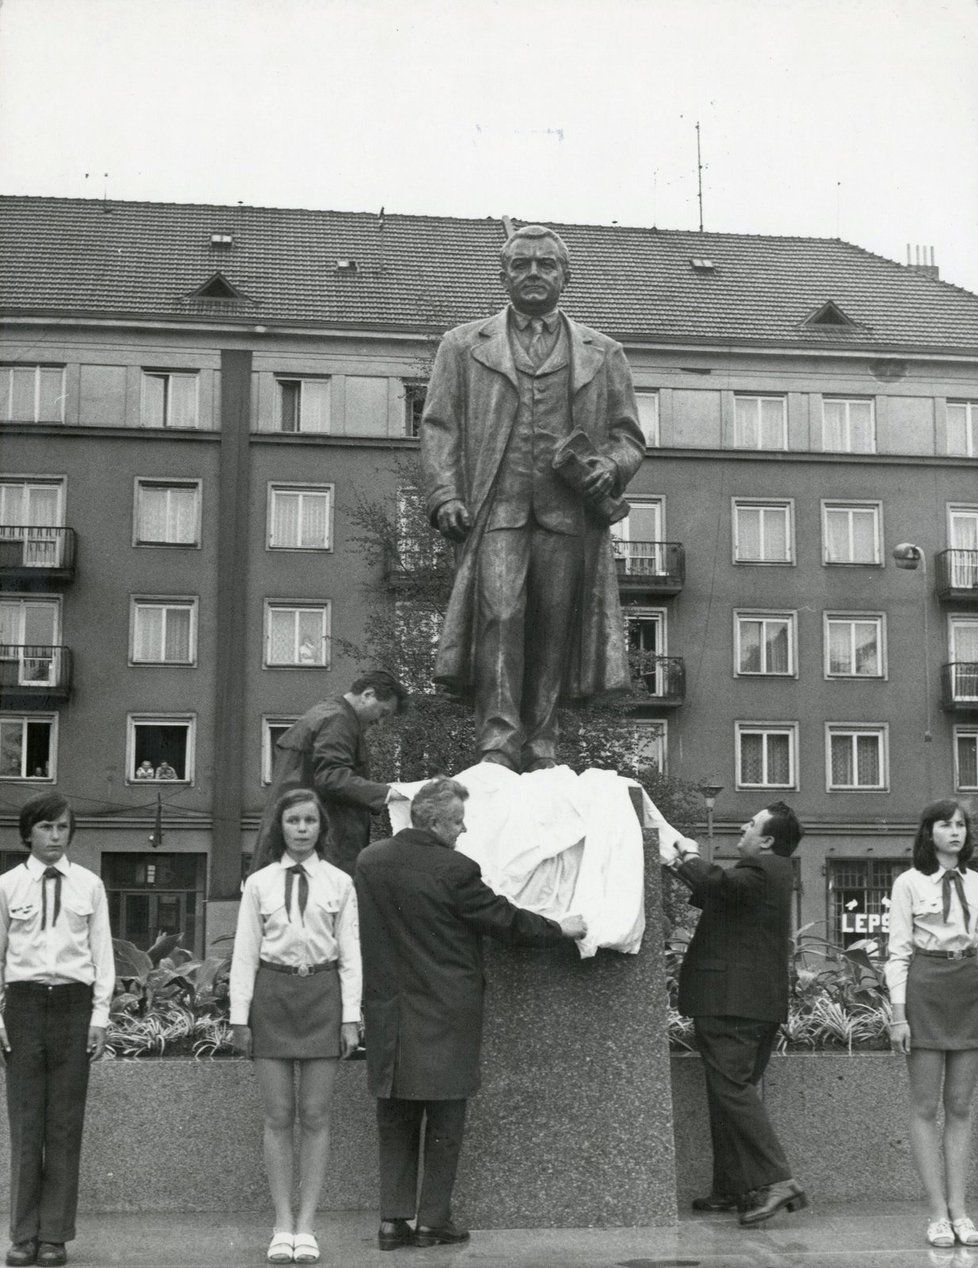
{"x": 47, "y": 1082}
{"x": 746, "y": 1152}
{"x": 402, "y": 1146}
{"x": 528, "y": 603}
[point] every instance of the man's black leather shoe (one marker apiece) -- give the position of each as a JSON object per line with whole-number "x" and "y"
{"x": 446, "y": 1234}
{"x": 785, "y": 1195}
{"x": 395, "y": 1233}
{"x": 22, "y": 1253}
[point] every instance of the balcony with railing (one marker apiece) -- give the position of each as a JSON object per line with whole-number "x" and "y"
{"x": 32, "y": 553}
{"x": 957, "y": 576}
{"x": 959, "y": 686}
{"x": 649, "y": 567}
{"x": 660, "y": 680}
{"x": 35, "y": 673}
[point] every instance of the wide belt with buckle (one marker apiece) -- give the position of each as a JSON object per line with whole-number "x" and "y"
{"x": 948, "y": 955}
{"x": 298, "y": 970}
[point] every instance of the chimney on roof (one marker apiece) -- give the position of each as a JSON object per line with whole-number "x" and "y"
{"x": 508, "y": 226}
{"x": 922, "y": 261}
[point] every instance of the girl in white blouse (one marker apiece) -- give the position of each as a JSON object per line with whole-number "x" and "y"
{"x": 932, "y": 977}
{"x": 295, "y": 1001}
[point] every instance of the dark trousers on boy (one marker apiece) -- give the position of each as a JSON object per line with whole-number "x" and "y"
{"x": 47, "y": 1082}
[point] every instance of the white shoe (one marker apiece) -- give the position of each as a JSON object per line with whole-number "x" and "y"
{"x": 305, "y": 1249}
{"x": 965, "y": 1231}
{"x": 280, "y": 1248}
{"x": 940, "y": 1233}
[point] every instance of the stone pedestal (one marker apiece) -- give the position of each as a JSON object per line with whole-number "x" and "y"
{"x": 573, "y": 1124}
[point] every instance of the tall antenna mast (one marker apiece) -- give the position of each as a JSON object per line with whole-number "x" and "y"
{"x": 699, "y": 174}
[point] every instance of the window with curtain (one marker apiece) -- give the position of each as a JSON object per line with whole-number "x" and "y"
{"x": 164, "y": 633}
{"x": 848, "y": 426}
{"x": 850, "y": 533}
{"x": 966, "y": 759}
{"x": 297, "y": 635}
{"x": 765, "y": 756}
{"x": 32, "y": 393}
{"x": 27, "y": 749}
{"x": 853, "y": 646}
{"x": 272, "y": 730}
{"x": 648, "y": 415}
{"x": 760, "y": 422}
{"x": 299, "y": 517}
{"x": 856, "y": 758}
{"x": 169, "y": 399}
{"x": 167, "y": 514}
{"x": 962, "y": 428}
{"x": 303, "y": 404}
{"x": 762, "y": 533}
{"x": 765, "y": 643}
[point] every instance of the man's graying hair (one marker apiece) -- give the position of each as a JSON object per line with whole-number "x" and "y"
{"x": 432, "y": 799}
{"x": 536, "y": 231}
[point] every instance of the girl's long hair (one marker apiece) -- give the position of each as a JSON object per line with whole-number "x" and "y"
{"x": 924, "y": 854}
{"x": 272, "y": 845}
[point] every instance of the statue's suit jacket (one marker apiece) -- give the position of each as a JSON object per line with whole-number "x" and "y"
{"x": 470, "y": 410}
{"x": 423, "y": 911}
{"x": 737, "y": 962}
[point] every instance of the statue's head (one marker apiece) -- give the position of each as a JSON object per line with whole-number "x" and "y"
{"x": 535, "y": 269}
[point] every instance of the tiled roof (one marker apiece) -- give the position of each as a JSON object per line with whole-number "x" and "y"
{"x": 80, "y": 256}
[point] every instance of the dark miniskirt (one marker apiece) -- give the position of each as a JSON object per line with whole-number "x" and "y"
{"x": 296, "y": 1018}
{"x": 942, "y": 1002}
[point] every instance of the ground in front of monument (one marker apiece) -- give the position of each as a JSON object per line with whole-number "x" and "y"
{"x": 830, "y": 1235}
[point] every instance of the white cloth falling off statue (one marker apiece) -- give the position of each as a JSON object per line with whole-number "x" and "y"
{"x": 558, "y": 843}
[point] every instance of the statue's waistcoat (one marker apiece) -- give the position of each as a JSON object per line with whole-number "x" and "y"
{"x": 527, "y": 487}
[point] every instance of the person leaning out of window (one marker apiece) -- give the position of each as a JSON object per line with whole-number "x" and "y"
{"x": 57, "y": 973}
{"x": 932, "y": 977}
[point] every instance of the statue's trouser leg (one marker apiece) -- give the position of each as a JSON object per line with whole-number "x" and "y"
{"x": 504, "y": 557}
{"x": 552, "y": 610}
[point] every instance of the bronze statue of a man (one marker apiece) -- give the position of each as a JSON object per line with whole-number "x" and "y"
{"x": 517, "y": 406}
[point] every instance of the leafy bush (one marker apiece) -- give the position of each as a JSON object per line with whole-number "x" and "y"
{"x": 168, "y": 1003}
{"x": 838, "y": 998}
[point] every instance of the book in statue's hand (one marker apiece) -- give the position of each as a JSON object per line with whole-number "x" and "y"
{"x": 570, "y": 461}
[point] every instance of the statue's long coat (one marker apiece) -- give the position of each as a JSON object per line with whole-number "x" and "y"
{"x": 469, "y": 413}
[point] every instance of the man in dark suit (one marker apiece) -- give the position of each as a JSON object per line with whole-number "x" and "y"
{"x": 423, "y": 911}
{"x": 326, "y": 750}
{"x": 734, "y": 985}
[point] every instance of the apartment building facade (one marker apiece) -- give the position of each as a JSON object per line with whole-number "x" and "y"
{"x": 195, "y": 403}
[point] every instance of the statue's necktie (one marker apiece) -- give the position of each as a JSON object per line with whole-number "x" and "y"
{"x": 952, "y": 880}
{"x": 537, "y": 349}
{"x": 290, "y": 874}
{"x": 50, "y": 874}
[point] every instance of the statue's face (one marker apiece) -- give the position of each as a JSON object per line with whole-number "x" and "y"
{"x": 533, "y": 276}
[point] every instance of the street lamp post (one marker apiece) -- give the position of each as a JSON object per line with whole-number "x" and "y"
{"x": 909, "y": 556}
{"x": 709, "y": 793}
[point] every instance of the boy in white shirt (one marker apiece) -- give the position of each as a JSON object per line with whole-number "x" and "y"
{"x": 57, "y": 974}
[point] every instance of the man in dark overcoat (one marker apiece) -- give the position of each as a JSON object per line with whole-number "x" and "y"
{"x": 734, "y": 984}
{"x": 534, "y": 615}
{"x": 423, "y": 911}
{"x": 326, "y": 750}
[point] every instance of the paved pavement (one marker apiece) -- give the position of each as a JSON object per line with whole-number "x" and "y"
{"x": 878, "y": 1235}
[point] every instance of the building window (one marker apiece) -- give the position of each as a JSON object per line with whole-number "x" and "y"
{"x": 963, "y": 657}
{"x": 854, "y": 646}
{"x": 859, "y": 897}
{"x": 272, "y": 730}
{"x": 848, "y": 426}
{"x": 766, "y": 754}
{"x": 302, "y": 405}
{"x": 966, "y": 759}
{"x": 160, "y": 748}
{"x": 760, "y": 422}
{"x": 154, "y": 894}
{"x": 649, "y": 748}
{"x": 32, "y": 393}
{"x": 765, "y": 643}
{"x": 763, "y": 532}
{"x": 27, "y": 746}
{"x": 30, "y": 631}
{"x": 34, "y": 505}
{"x": 163, "y": 632}
{"x": 855, "y": 758}
{"x": 646, "y": 632}
{"x": 962, "y": 428}
{"x": 414, "y": 399}
{"x": 169, "y": 399}
{"x": 648, "y": 416}
{"x": 167, "y": 513}
{"x": 300, "y": 517}
{"x": 297, "y": 634}
{"x": 851, "y": 533}
{"x": 637, "y": 540}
